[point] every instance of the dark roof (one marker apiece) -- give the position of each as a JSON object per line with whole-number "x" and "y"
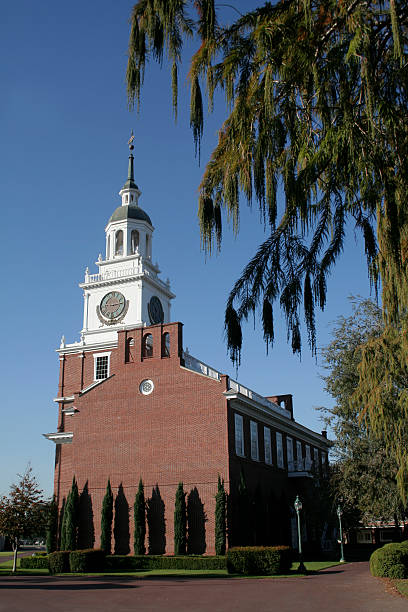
{"x": 129, "y": 212}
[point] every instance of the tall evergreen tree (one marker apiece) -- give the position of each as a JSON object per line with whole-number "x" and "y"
{"x": 106, "y": 520}
{"x": 180, "y": 521}
{"x": 63, "y": 521}
{"x": 140, "y": 521}
{"x": 52, "y": 526}
{"x": 317, "y": 101}
{"x": 71, "y": 518}
{"x": 220, "y": 519}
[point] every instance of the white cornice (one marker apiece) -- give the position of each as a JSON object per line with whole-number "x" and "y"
{"x": 63, "y": 400}
{"x": 60, "y": 437}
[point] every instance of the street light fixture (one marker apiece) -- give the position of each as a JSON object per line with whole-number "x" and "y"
{"x": 339, "y": 514}
{"x": 298, "y": 508}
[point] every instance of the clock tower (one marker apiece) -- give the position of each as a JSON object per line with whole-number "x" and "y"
{"x": 127, "y": 291}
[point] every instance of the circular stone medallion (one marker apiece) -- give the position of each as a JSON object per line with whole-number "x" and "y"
{"x": 146, "y": 387}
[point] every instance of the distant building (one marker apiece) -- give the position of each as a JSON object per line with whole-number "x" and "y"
{"x": 134, "y": 404}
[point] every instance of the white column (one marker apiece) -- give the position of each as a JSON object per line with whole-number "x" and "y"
{"x": 86, "y": 304}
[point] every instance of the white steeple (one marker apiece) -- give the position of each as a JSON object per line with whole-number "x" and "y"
{"x": 127, "y": 291}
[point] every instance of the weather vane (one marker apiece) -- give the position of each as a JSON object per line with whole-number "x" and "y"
{"x": 130, "y": 141}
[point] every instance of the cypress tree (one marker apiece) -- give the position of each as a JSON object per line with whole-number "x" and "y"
{"x": 71, "y": 517}
{"x": 63, "y": 519}
{"x": 106, "y": 520}
{"x": 140, "y": 521}
{"x": 180, "y": 521}
{"x": 220, "y": 519}
{"x": 52, "y": 526}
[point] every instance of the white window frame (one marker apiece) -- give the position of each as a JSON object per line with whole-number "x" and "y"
{"x": 268, "y": 445}
{"x": 95, "y": 356}
{"x": 254, "y": 440}
{"x": 239, "y": 439}
{"x": 299, "y": 456}
{"x": 308, "y": 458}
{"x": 279, "y": 450}
{"x": 316, "y": 459}
{"x": 289, "y": 453}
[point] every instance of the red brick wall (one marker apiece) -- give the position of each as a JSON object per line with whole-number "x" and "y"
{"x": 177, "y": 433}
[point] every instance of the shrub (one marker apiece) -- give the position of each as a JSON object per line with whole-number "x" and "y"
{"x": 59, "y": 562}
{"x": 390, "y": 561}
{"x": 88, "y": 560}
{"x": 37, "y": 562}
{"x": 106, "y": 520}
{"x": 151, "y": 562}
{"x": 259, "y": 560}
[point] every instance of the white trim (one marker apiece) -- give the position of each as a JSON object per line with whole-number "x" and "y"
{"x": 64, "y": 437}
{"x": 63, "y": 400}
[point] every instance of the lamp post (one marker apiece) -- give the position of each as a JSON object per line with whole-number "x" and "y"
{"x": 339, "y": 514}
{"x": 298, "y": 507}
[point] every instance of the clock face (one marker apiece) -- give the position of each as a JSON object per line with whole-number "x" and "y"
{"x": 155, "y": 309}
{"x": 112, "y": 305}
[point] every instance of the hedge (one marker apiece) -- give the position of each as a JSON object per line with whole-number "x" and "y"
{"x": 37, "y": 562}
{"x": 152, "y": 562}
{"x": 259, "y": 560}
{"x": 390, "y": 561}
{"x": 88, "y": 560}
{"x": 59, "y": 562}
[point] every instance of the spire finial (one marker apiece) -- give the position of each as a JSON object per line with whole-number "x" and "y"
{"x": 130, "y": 141}
{"x": 131, "y": 147}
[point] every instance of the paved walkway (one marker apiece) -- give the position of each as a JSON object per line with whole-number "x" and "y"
{"x": 348, "y": 588}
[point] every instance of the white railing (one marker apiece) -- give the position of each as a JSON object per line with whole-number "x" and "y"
{"x": 195, "y": 365}
{"x": 111, "y": 274}
{"x": 301, "y": 465}
{"x": 235, "y": 386}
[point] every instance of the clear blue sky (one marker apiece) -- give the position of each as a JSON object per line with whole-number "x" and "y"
{"x": 63, "y": 158}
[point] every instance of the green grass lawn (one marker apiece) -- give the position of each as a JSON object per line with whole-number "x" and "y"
{"x": 311, "y": 566}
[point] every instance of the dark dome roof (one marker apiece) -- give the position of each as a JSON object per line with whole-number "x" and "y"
{"x": 129, "y": 212}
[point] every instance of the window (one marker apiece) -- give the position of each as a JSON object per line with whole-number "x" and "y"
{"x": 279, "y": 450}
{"x": 254, "y": 441}
{"x": 128, "y": 356}
{"x": 268, "y": 445}
{"x": 239, "y": 435}
{"x": 316, "y": 458}
{"x": 134, "y": 241}
{"x": 308, "y": 460}
{"x": 119, "y": 243}
{"x": 101, "y": 366}
{"x": 166, "y": 345}
{"x": 324, "y": 463}
{"x": 289, "y": 452}
{"x": 108, "y": 248}
{"x": 147, "y": 246}
{"x": 364, "y": 536}
{"x": 148, "y": 345}
{"x": 299, "y": 456}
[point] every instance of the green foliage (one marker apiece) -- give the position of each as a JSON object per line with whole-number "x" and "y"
{"x": 34, "y": 562}
{"x": 106, "y": 520}
{"x": 89, "y": 560}
{"x": 70, "y": 519}
{"x": 259, "y": 560}
{"x": 390, "y": 561}
{"x": 180, "y": 522}
{"x": 220, "y": 519}
{"x": 23, "y": 513}
{"x": 140, "y": 521}
{"x": 52, "y": 526}
{"x": 364, "y": 475}
{"x": 317, "y": 100}
{"x": 151, "y": 562}
{"x": 59, "y": 562}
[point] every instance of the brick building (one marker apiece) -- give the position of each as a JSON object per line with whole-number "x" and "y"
{"x": 132, "y": 403}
